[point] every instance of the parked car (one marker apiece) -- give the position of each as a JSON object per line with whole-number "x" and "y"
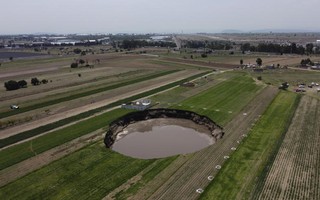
{"x": 14, "y": 107}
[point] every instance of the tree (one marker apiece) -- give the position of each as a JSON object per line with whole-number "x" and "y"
{"x": 35, "y": 81}
{"x": 11, "y": 85}
{"x": 81, "y": 61}
{"x": 74, "y": 65}
{"x": 77, "y": 51}
{"x": 22, "y": 83}
{"x": 245, "y": 47}
{"x": 309, "y": 48}
{"x": 241, "y": 62}
{"x": 204, "y": 55}
{"x": 259, "y": 61}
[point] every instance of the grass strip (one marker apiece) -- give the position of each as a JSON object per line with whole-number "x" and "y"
{"x": 224, "y": 101}
{"x": 148, "y": 176}
{"x": 90, "y": 173}
{"x": 238, "y": 175}
{"x": 20, "y": 152}
{"x": 84, "y": 94}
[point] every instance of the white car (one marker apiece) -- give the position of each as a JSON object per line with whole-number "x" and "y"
{"x": 14, "y": 107}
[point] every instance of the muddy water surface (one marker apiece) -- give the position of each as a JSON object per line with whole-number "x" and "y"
{"x": 162, "y": 138}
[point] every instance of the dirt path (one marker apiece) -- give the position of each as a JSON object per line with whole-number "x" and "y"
{"x": 75, "y": 111}
{"x": 193, "y": 174}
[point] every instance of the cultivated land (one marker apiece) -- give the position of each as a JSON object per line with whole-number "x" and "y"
{"x": 295, "y": 172}
{"x": 56, "y": 151}
{"x": 237, "y": 177}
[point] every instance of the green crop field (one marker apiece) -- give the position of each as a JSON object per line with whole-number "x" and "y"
{"x": 223, "y": 101}
{"x": 93, "y": 171}
{"x": 89, "y": 173}
{"x": 22, "y": 151}
{"x": 238, "y": 175}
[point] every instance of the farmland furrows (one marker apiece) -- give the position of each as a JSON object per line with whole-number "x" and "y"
{"x": 194, "y": 173}
{"x": 22, "y": 168}
{"x": 295, "y": 171}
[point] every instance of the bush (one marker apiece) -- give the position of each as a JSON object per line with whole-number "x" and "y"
{"x": 35, "y": 81}
{"x": 22, "y": 83}
{"x": 204, "y": 55}
{"x": 259, "y": 78}
{"x": 44, "y": 81}
{"x": 81, "y": 62}
{"x": 74, "y": 65}
{"x": 77, "y": 51}
{"x": 11, "y": 85}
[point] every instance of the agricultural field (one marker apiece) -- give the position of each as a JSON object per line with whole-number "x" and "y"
{"x": 237, "y": 177}
{"x": 52, "y": 147}
{"x": 225, "y": 58}
{"x": 294, "y": 173}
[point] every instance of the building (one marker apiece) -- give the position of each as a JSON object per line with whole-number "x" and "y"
{"x": 138, "y": 105}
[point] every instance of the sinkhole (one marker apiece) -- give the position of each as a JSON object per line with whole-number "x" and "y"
{"x": 159, "y": 133}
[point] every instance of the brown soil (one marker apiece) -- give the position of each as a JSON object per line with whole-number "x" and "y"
{"x": 202, "y": 63}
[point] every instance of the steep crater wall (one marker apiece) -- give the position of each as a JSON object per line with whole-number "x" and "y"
{"x": 118, "y": 125}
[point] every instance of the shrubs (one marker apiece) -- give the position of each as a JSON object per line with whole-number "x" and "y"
{"x": 35, "y": 81}
{"x": 22, "y": 83}
{"x": 74, "y": 65}
{"x": 11, "y": 85}
{"x": 14, "y": 85}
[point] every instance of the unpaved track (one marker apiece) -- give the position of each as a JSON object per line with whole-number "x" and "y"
{"x": 194, "y": 173}
{"x": 295, "y": 173}
{"x": 68, "y": 113}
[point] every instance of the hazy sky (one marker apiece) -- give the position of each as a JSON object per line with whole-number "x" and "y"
{"x": 149, "y": 16}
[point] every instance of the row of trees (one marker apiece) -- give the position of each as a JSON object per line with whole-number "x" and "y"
{"x": 277, "y": 48}
{"x": 214, "y": 45}
{"x": 14, "y": 85}
{"x": 307, "y": 61}
{"x": 132, "y": 44}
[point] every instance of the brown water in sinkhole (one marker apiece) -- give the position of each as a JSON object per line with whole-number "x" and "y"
{"x": 160, "y": 138}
